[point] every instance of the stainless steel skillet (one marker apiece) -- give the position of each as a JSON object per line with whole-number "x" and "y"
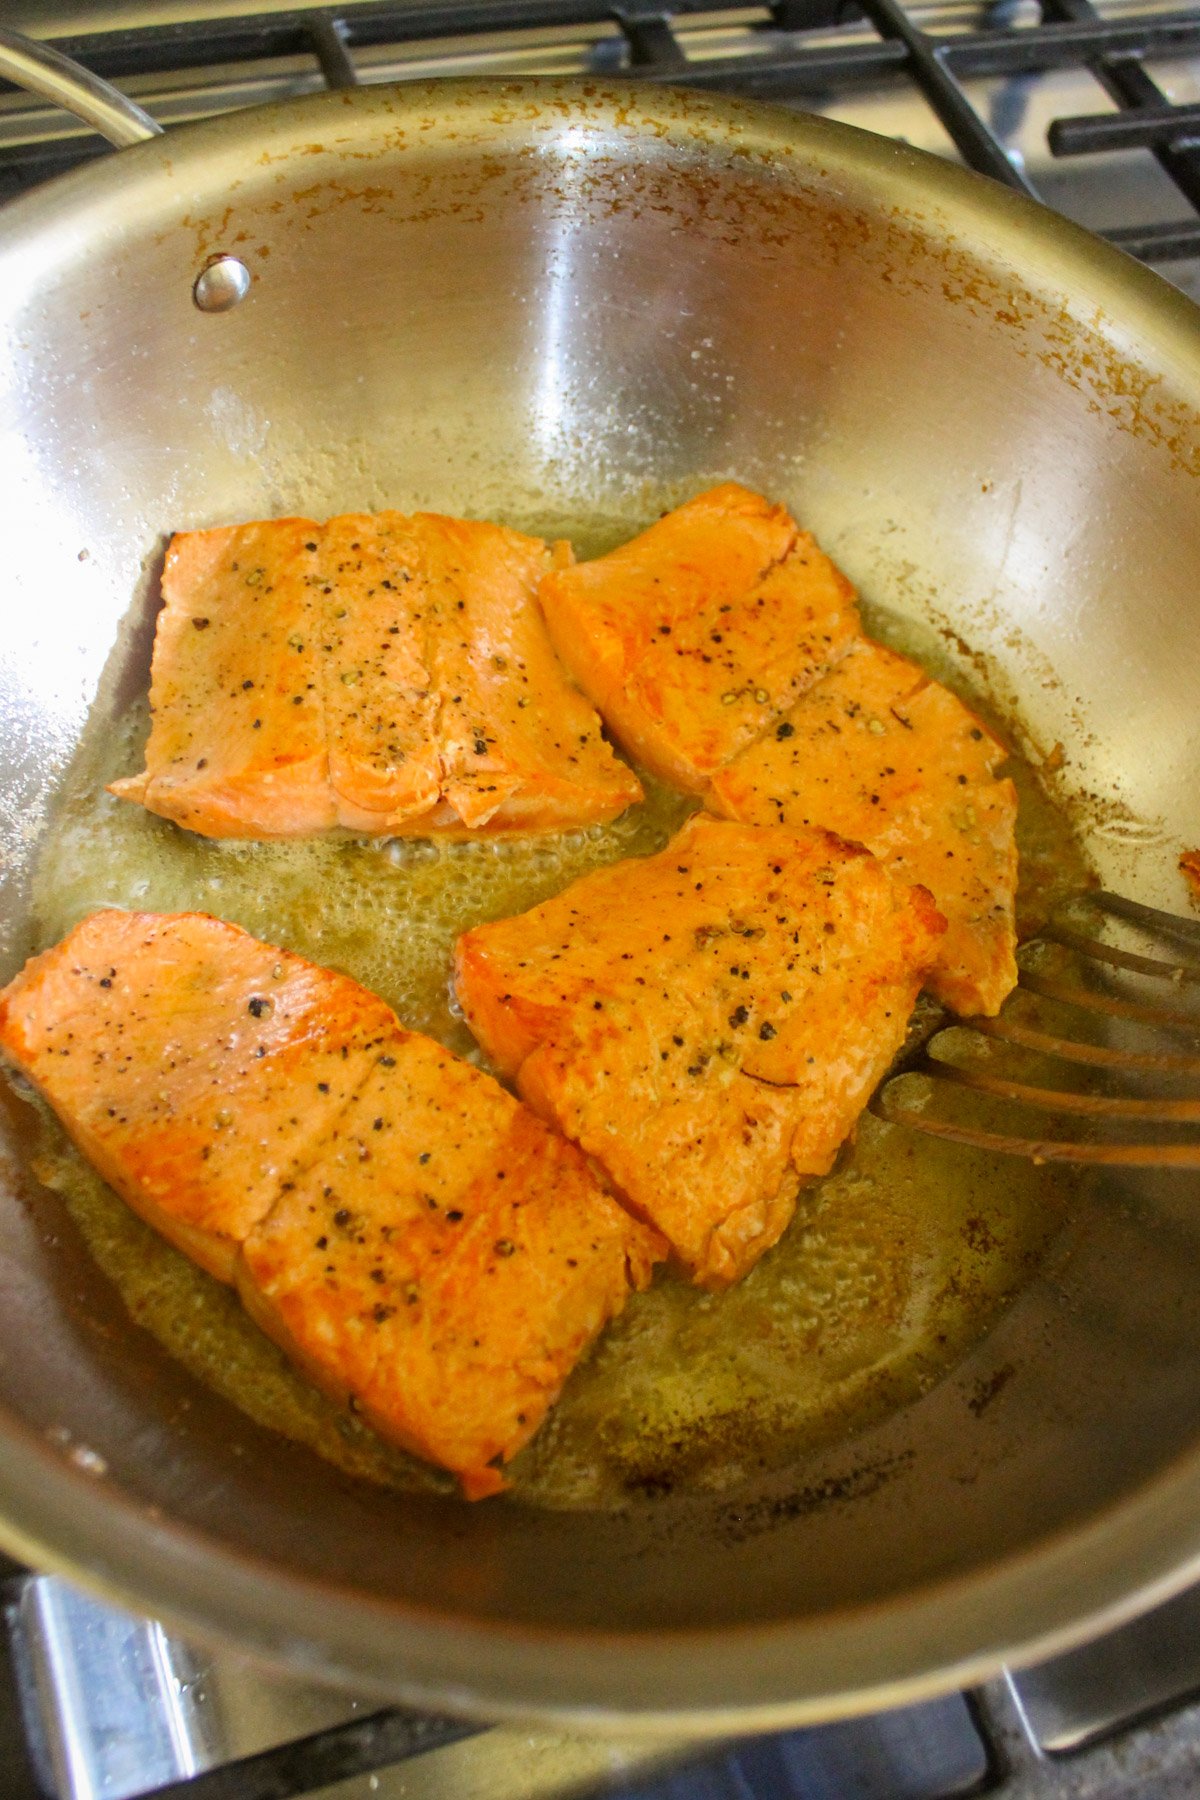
{"x": 543, "y": 301}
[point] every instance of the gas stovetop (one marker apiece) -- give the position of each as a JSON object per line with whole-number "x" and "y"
{"x": 1093, "y": 108}
{"x": 98, "y": 1705}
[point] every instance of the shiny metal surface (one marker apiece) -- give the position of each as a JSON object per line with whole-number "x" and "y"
{"x": 126, "y": 1706}
{"x": 114, "y": 1694}
{"x": 221, "y": 284}
{"x": 553, "y": 304}
{"x": 125, "y": 1709}
{"x": 119, "y": 1708}
{"x": 1159, "y": 1760}
{"x": 1099, "y": 1689}
{"x": 1106, "y": 1072}
{"x": 1125, "y": 189}
{"x": 44, "y": 71}
{"x": 524, "y": 1763}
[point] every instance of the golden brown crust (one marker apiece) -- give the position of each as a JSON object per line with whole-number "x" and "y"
{"x": 695, "y": 636}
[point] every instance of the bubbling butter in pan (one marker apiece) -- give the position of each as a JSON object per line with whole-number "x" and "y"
{"x": 895, "y": 1265}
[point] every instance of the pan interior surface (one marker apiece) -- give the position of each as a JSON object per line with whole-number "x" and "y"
{"x": 567, "y": 308}
{"x": 894, "y": 1268}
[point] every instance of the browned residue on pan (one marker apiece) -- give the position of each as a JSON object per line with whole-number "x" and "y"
{"x": 752, "y": 189}
{"x": 1189, "y": 863}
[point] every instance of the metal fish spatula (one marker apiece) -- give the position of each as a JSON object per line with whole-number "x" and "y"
{"x": 1094, "y": 1058}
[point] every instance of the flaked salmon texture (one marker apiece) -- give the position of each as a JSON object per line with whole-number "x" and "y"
{"x": 708, "y": 1023}
{"x": 884, "y": 755}
{"x": 696, "y": 635}
{"x": 382, "y": 674}
{"x": 410, "y": 1234}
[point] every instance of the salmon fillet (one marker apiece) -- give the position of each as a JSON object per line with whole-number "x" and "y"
{"x": 882, "y": 754}
{"x": 195, "y": 1068}
{"x": 384, "y": 674}
{"x": 411, "y": 1234}
{"x": 380, "y": 695}
{"x": 237, "y": 744}
{"x": 445, "y": 1263}
{"x": 707, "y": 1023}
{"x": 694, "y": 637}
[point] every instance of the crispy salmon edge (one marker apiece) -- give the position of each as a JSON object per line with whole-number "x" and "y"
{"x": 477, "y": 1483}
{"x": 645, "y": 1248}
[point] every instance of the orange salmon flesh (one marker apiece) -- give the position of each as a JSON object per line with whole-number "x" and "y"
{"x": 693, "y": 637}
{"x": 415, "y": 1238}
{"x": 692, "y": 1034}
{"x": 882, "y": 754}
{"x": 382, "y": 674}
{"x": 707, "y": 1024}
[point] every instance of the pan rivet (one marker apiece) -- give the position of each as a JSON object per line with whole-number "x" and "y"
{"x": 221, "y": 283}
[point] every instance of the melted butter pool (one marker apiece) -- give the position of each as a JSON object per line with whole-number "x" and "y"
{"x": 894, "y": 1266}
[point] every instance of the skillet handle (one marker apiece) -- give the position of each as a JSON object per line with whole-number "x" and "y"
{"x": 41, "y": 70}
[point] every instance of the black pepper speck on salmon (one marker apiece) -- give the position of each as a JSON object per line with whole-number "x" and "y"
{"x": 883, "y": 754}
{"x": 696, "y": 635}
{"x": 412, "y": 1235}
{"x": 387, "y": 674}
{"x": 707, "y": 1023}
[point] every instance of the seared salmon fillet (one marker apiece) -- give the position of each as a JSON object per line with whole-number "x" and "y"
{"x": 880, "y": 753}
{"x": 196, "y": 1068}
{"x": 385, "y": 674}
{"x": 238, "y": 743}
{"x": 445, "y": 1263}
{"x": 413, "y": 1235}
{"x": 707, "y": 1023}
{"x": 379, "y": 693}
{"x": 694, "y": 637}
